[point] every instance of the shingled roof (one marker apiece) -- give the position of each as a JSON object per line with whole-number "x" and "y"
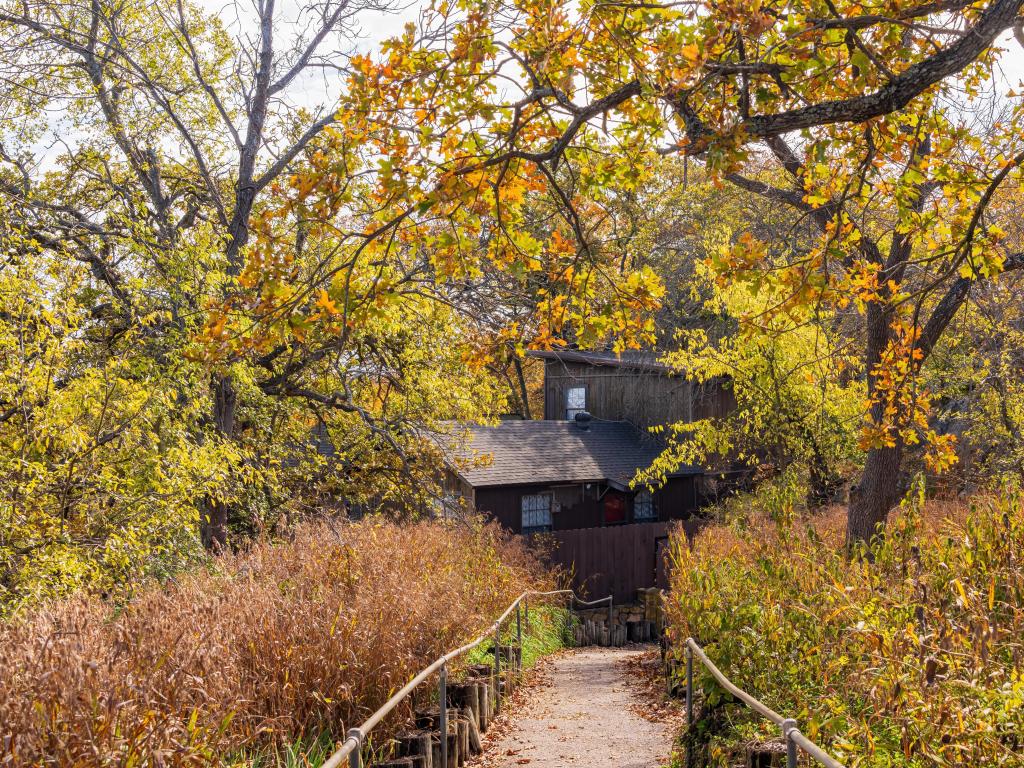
{"x": 550, "y": 452}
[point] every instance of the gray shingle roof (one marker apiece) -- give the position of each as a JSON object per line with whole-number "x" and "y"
{"x": 547, "y": 452}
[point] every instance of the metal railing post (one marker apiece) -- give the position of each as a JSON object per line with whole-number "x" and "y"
{"x": 788, "y": 726}
{"x": 689, "y": 704}
{"x": 355, "y": 758}
{"x": 442, "y": 690}
{"x": 689, "y": 686}
{"x": 519, "y": 640}
{"x": 497, "y": 669}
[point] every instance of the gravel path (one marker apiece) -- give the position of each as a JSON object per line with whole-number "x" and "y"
{"x": 581, "y": 712}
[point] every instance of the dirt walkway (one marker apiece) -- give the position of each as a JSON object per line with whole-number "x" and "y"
{"x": 585, "y": 709}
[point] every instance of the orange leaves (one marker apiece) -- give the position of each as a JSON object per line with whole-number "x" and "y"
{"x": 326, "y": 304}
{"x": 362, "y": 64}
{"x": 899, "y": 405}
{"x": 303, "y": 183}
{"x": 559, "y": 244}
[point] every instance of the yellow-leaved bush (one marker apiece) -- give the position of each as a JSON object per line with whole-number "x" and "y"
{"x": 913, "y": 659}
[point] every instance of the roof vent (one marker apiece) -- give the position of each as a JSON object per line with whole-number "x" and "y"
{"x": 583, "y": 419}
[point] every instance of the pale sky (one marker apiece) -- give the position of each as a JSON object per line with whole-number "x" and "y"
{"x": 319, "y": 89}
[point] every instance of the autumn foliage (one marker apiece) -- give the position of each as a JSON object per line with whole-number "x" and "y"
{"x": 285, "y": 641}
{"x": 913, "y": 660}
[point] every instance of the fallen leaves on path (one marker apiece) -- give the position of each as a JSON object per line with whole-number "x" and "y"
{"x": 647, "y": 693}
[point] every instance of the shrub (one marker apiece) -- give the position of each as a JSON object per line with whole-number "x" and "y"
{"x": 914, "y": 659}
{"x": 284, "y": 642}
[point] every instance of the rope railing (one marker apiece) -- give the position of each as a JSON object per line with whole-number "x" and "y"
{"x": 351, "y": 749}
{"x": 791, "y": 735}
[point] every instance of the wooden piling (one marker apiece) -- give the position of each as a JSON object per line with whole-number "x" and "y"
{"x": 415, "y": 744}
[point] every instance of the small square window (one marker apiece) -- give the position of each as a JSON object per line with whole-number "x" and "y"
{"x": 575, "y": 401}
{"x": 536, "y": 509}
{"x": 643, "y": 506}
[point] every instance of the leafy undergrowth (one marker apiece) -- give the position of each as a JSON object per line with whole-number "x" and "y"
{"x": 914, "y": 659}
{"x": 283, "y": 644}
{"x": 546, "y": 628}
{"x": 549, "y": 630}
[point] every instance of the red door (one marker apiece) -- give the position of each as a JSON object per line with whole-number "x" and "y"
{"x": 614, "y": 507}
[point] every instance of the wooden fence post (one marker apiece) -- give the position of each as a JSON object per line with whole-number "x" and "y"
{"x": 355, "y": 758}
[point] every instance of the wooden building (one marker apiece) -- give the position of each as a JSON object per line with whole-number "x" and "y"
{"x": 540, "y": 476}
{"x": 570, "y": 477}
{"x": 631, "y": 386}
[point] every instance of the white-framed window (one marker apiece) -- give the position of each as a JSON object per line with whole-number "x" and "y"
{"x": 575, "y": 401}
{"x": 536, "y": 512}
{"x": 643, "y": 506}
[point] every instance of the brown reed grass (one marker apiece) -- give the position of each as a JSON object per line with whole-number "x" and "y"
{"x": 284, "y": 641}
{"x": 910, "y": 657}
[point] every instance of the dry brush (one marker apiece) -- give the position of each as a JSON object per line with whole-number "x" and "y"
{"x": 284, "y": 641}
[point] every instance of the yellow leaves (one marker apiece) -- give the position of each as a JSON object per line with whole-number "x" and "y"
{"x": 215, "y": 326}
{"x": 691, "y": 53}
{"x": 962, "y": 592}
{"x": 303, "y": 183}
{"x": 747, "y": 253}
{"x": 362, "y": 64}
{"x": 941, "y": 454}
{"x": 899, "y": 406}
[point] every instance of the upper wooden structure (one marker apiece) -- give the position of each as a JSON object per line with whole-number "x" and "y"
{"x": 630, "y": 386}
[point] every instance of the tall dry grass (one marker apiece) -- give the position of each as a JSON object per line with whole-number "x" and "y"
{"x": 283, "y": 641}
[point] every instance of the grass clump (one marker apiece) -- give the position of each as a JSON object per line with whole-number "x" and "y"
{"x": 549, "y": 630}
{"x": 286, "y": 644}
{"x": 910, "y": 657}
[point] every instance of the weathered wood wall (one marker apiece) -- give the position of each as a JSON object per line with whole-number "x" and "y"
{"x": 617, "y": 394}
{"x": 579, "y": 508}
{"x": 615, "y": 560}
{"x": 644, "y": 398}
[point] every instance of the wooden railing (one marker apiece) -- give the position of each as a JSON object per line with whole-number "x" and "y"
{"x": 351, "y": 748}
{"x": 791, "y": 735}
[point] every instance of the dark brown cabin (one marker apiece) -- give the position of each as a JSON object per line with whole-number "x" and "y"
{"x": 542, "y": 476}
{"x": 570, "y": 477}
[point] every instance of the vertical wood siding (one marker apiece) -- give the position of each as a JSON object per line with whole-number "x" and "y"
{"x": 616, "y": 560}
{"x": 579, "y": 508}
{"x": 643, "y": 398}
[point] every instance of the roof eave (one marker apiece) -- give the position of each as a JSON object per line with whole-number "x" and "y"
{"x": 578, "y": 356}
{"x": 618, "y": 485}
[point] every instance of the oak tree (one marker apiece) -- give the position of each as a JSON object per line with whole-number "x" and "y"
{"x": 868, "y": 111}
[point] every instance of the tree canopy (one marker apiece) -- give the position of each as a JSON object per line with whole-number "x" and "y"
{"x": 207, "y": 272}
{"x": 886, "y": 126}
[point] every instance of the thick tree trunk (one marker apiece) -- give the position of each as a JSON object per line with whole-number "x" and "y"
{"x": 879, "y": 488}
{"x": 878, "y": 492}
{"x": 213, "y": 524}
{"x": 524, "y": 396}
